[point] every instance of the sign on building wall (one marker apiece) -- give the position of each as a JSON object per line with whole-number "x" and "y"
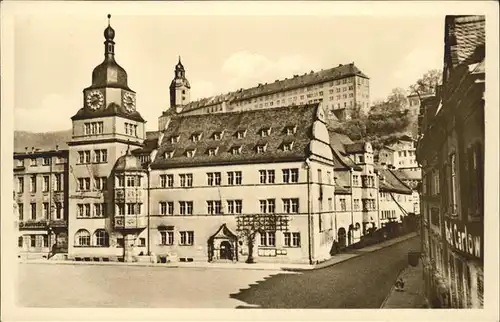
{"x": 465, "y": 238}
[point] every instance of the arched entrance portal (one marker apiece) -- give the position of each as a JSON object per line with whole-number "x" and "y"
{"x": 226, "y": 250}
{"x": 342, "y": 237}
{"x": 223, "y": 245}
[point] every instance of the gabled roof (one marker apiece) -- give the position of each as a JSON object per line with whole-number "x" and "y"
{"x": 389, "y": 182}
{"x": 252, "y": 121}
{"x": 297, "y": 81}
{"x": 111, "y": 110}
{"x": 340, "y": 158}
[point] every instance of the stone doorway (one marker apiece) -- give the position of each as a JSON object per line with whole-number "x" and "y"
{"x": 223, "y": 245}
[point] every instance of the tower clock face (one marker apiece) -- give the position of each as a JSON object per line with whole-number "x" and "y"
{"x": 129, "y": 102}
{"x": 95, "y": 100}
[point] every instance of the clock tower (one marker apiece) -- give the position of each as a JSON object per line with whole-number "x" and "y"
{"x": 104, "y": 129}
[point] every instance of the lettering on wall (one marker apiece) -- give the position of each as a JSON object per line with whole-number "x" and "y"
{"x": 464, "y": 241}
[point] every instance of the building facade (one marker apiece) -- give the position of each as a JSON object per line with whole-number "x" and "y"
{"x": 356, "y": 188}
{"x": 451, "y": 151}
{"x": 395, "y": 198}
{"x": 341, "y": 89}
{"x": 400, "y": 155}
{"x": 41, "y": 202}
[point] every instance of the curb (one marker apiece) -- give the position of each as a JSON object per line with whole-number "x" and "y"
{"x": 392, "y": 288}
{"x": 229, "y": 266}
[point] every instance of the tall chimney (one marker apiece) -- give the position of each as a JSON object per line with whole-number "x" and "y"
{"x": 25, "y": 149}
{"x": 32, "y": 149}
{"x": 57, "y": 147}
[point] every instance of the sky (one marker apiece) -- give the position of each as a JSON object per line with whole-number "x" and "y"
{"x": 55, "y": 55}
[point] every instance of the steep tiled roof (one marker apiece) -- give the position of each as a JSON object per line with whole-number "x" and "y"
{"x": 297, "y": 81}
{"x": 391, "y": 183}
{"x": 341, "y": 159}
{"x": 466, "y": 35}
{"x": 278, "y": 119}
{"x": 355, "y": 147}
{"x": 112, "y": 110}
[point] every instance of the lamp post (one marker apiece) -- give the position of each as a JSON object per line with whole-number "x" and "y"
{"x": 309, "y": 237}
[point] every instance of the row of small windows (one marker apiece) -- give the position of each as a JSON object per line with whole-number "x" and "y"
{"x": 99, "y": 156}
{"x": 388, "y": 214}
{"x": 34, "y": 161}
{"x": 99, "y": 183}
{"x": 57, "y": 183}
{"x": 232, "y": 178}
{"x": 216, "y": 136}
{"x": 131, "y": 129}
{"x": 93, "y": 128}
{"x": 57, "y": 211}
{"x": 235, "y": 150}
{"x": 308, "y": 89}
{"x": 214, "y": 207}
{"x": 87, "y": 210}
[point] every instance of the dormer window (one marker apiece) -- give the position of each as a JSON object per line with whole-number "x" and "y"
{"x": 195, "y": 137}
{"x": 240, "y": 134}
{"x": 287, "y": 146}
{"x": 212, "y": 151}
{"x": 190, "y": 153}
{"x": 217, "y": 136}
{"x": 174, "y": 139}
{"x": 236, "y": 150}
{"x": 290, "y": 130}
{"x": 169, "y": 154}
{"x": 265, "y": 132}
{"x": 261, "y": 148}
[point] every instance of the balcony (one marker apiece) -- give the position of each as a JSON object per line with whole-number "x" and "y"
{"x": 129, "y": 194}
{"x": 33, "y": 224}
{"x": 131, "y": 222}
{"x": 61, "y": 223}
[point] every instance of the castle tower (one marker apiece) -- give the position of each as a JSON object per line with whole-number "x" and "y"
{"x": 180, "y": 87}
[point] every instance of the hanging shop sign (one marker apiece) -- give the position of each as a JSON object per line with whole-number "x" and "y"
{"x": 464, "y": 238}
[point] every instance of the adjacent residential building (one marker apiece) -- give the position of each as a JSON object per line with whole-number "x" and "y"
{"x": 356, "y": 188}
{"x": 341, "y": 89}
{"x": 395, "y": 197}
{"x": 451, "y": 152}
{"x": 41, "y": 199}
{"x": 399, "y": 155}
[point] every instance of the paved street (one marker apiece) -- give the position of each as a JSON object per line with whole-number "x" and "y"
{"x": 361, "y": 282}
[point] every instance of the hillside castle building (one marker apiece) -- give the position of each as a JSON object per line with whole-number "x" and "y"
{"x": 341, "y": 89}
{"x": 206, "y": 183}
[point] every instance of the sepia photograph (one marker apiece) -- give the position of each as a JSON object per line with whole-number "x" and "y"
{"x": 281, "y": 155}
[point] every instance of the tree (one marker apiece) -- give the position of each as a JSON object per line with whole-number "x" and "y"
{"x": 248, "y": 226}
{"x": 398, "y": 99}
{"x": 427, "y": 83}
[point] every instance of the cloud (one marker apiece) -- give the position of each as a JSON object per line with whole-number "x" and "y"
{"x": 201, "y": 88}
{"x": 53, "y": 114}
{"x": 245, "y": 69}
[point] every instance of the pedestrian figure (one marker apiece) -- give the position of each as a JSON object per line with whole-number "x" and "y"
{"x": 400, "y": 284}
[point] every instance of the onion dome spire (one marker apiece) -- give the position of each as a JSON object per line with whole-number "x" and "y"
{"x": 109, "y": 73}
{"x": 109, "y": 35}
